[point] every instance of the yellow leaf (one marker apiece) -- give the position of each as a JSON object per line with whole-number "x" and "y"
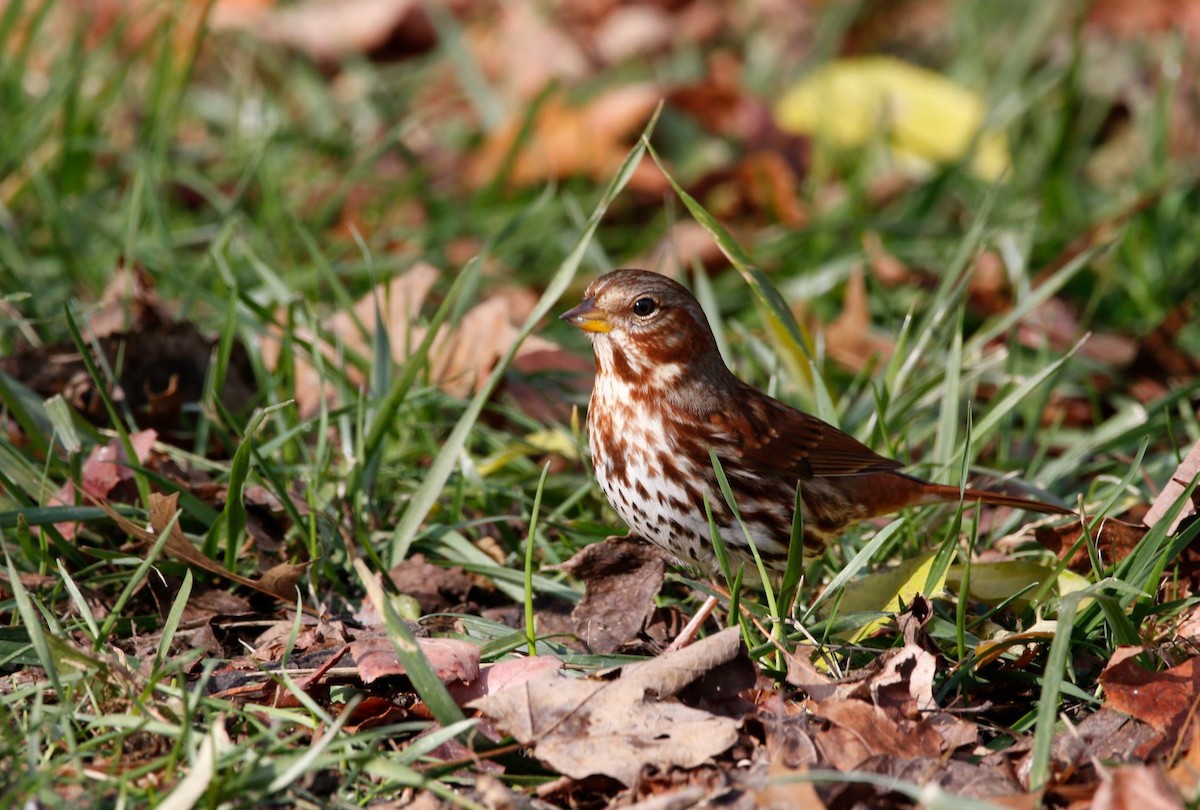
{"x": 551, "y": 440}
{"x": 554, "y": 440}
{"x": 994, "y": 582}
{"x": 887, "y": 592}
{"x": 924, "y": 116}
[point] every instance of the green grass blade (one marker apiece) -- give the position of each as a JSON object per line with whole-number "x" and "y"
{"x": 439, "y": 472}
{"x": 1050, "y": 694}
{"x": 856, "y": 564}
{"x": 233, "y": 516}
{"x": 428, "y": 685}
{"x": 731, "y": 502}
{"x": 33, "y": 623}
{"x": 1002, "y": 407}
{"x": 135, "y": 582}
{"x": 530, "y": 630}
{"x": 81, "y": 604}
{"x": 174, "y": 617}
{"x": 790, "y": 341}
{"x": 382, "y": 419}
{"x": 793, "y": 571}
{"x": 98, "y": 383}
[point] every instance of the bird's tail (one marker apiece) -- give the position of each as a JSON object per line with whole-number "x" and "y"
{"x": 944, "y": 493}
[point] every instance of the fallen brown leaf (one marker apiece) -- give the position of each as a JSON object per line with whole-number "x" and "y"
{"x": 853, "y": 731}
{"x": 633, "y": 30}
{"x": 328, "y": 29}
{"x": 1164, "y": 700}
{"x": 504, "y": 46}
{"x": 1114, "y": 541}
{"x": 904, "y": 683}
{"x": 889, "y": 270}
{"x": 964, "y": 780}
{"x": 783, "y": 791}
{"x": 281, "y": 579}
{"x": 503, "y": 675}
{"x": 105, "y": 467}
{"x": 1135, "y": 787}
{"x": 565, "y": 140}
{"x": 1185, "y": 774}
{"x": 129, "y": 301}
{"x": 804, "y": 674}
{"x": 582, "y": 727}
{"x": 787, "y": 729}
{"x": 437, "y": 588}
{"x": 1145, "y": 17}
{"x": 452, "y": 659}
{"x": 621, "y": 578}
{"x": 162, "y": 510}
{"x": 1181, "y": 479}
{"x": 849, "y": 337}
{"x": 459, "y": 359}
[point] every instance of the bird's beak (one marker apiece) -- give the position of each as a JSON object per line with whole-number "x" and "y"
{"x": 588, "y": 317}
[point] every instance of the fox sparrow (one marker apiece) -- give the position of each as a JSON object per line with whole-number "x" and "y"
{"x": 663, "y": 396}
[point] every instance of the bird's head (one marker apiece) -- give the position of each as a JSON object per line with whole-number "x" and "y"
{"x": 643, "y": 323}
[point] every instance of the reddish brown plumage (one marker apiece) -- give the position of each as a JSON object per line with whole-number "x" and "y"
{"x": 663, "y": 397}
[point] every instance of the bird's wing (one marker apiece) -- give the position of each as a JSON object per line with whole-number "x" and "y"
{"x": 776, "y": 438}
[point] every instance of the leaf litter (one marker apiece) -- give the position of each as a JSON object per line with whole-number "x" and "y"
{"x": 584, "y": 727}
{"x": 734, "y": 729}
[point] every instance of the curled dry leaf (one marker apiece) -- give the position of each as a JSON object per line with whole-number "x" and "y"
{"x": 162, "y": 511}
{"x": 583, "y": 727}
{"x": 281, "y": 579}
{"x": 905, "y": 682}
{"x": 621, "y": 577}
{"x": 129, "y": 301}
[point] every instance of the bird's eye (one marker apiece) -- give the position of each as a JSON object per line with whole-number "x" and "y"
{"x": 644, "y": 306}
